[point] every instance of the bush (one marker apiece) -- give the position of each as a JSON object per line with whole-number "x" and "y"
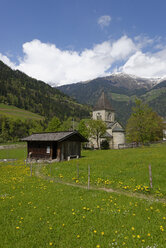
{"x": 104, "y": 145}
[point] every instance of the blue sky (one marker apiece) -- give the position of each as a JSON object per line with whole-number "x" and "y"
{"x": 66, "y": 41}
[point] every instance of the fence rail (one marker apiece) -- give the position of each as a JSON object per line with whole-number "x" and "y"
{"x": 135, "y": 145}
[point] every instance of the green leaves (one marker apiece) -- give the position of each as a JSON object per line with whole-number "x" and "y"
{"x": 144, "y": 125}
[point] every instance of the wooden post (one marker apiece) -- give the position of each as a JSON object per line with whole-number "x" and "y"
{"x": 150, "y": 176}
{"x": 31, "y": 168}
{"x": 77, "y": 171}
{"x": 88, "y": 176}
{"x": 30, "y": 162}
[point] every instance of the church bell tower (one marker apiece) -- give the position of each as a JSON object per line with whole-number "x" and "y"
{"x": 103, "y": 110}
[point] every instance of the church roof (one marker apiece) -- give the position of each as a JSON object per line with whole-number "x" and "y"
{"x": 103, "y": 103}
{"x": 118, "y": 129}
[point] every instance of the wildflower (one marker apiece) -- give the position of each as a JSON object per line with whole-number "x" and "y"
{"x": 143, "y": 241}
{"x": 63, "y": 225}
{"x": 17, "y": 227}
{"x": 102, "y": 233}
{"x": 78, "y": 236}
{"x": 132, "y": 228}
{"x": 97, "y": 246}
{"x": 148, "y": 234}
{"x": 95, "y": 231}
{"x": 50, "y": 243}
{"x": 138, "y": 236}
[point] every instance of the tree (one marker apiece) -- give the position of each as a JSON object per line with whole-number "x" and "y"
{"x": 144, "y": 125}
{"x": 97, "y": 129}
{"x": 83, "y": 128}
{"x": 67, "y": 125}
{"x": 54, "y": 125}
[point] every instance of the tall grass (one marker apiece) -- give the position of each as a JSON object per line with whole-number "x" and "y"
{"x": 124, "y": 169}
{"x": 39, "y": 213}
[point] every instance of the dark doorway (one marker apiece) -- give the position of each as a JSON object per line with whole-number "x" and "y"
{"x": 54, "y": 154}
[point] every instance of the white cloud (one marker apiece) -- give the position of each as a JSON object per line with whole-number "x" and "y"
{"x": 7, "y": 61}
{"x": 50, "y": 64}
{"x": 104, "y": 21}
{"x": 55, "y": 66}
{"x": 146, "y": 65}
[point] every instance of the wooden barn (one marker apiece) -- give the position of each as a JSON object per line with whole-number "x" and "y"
{"x": 58, "y": 145}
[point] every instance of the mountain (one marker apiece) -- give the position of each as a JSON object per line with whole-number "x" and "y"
{"x": 121, "y": 90}
{"x": 22, "y": 91}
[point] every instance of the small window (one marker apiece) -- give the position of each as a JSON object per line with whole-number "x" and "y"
{"x": 48, "y": 149}
{"x": 99, "y": 117}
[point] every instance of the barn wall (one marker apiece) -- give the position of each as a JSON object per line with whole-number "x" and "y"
{"x": 70, "y": 148}
{"x": 39, "y": 150}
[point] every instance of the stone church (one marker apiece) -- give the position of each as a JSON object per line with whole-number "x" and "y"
{"x": 115, "y": 134}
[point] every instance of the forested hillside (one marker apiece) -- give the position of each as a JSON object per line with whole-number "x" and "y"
{"x": 122, "y": 92}
{"x": 22, "y": 91}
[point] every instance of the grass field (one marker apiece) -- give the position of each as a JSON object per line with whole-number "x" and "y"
{"x": 17, "y": 113}
{"x": 41, "y": 213}
{"x": 123, "y": 169}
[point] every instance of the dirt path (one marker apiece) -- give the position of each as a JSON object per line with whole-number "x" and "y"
{"x": 110, "y": 190}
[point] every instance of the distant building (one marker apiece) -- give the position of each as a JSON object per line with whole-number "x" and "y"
{"x": 115, "y": 133}
{"x": 58, "y": 145}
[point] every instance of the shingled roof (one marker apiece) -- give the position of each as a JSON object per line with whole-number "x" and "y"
{"x": 103, "y": 103}
{"x": 56, "y": 136}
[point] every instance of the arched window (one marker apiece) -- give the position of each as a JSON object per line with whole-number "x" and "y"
{"x": 99, "y": 117}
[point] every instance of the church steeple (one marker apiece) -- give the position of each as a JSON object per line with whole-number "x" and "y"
{"x": 103, "y": 110}
{"x": 103, "y": 103}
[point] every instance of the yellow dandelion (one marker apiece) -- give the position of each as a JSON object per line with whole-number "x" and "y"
{"x": 102, "y": 233}
{"x": 17, "y": 227}
{"x": 78, "y": 236}
{"x": 148, "y": 235}
{"x": 143, "y": 241}
{"x": 132, "y": 228}
{"x": 95, "y": 231}
{"x": 138, "y": 236}
{"x": 50, "y": 243}
{"x": 97, "y": 246}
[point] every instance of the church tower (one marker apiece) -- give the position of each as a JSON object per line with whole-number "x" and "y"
{"x": 103, "y": 110}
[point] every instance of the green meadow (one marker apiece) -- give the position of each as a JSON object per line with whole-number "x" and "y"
{"x": 42, "y": 211}
{"x": 17, "y": 113}
{"x": 127, "y": 169}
